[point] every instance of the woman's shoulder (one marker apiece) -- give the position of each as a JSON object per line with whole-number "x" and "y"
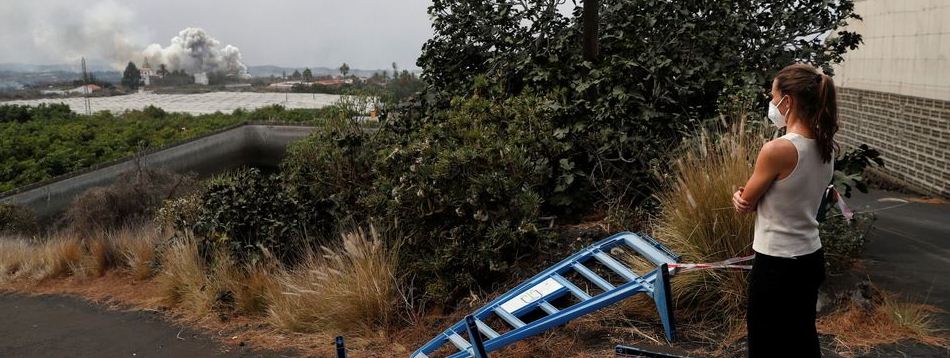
{"x": 780, "y": 146}
{"x": 779, "y": 152}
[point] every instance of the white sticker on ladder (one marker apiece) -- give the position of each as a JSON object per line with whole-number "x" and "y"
{"x": 533, "y": 294}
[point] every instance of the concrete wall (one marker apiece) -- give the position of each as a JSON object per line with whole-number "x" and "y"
{"x": 247, "y": 145}
{"x": 894, "y": 90}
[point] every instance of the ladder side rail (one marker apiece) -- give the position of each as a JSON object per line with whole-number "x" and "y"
{"x": 543, "y": 324}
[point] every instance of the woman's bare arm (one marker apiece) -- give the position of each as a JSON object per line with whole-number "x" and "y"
{"x": 775, "y": 158}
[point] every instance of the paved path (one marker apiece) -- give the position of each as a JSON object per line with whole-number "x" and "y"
{"x": 908, "y": 251}
{"x": 57, "y": 326}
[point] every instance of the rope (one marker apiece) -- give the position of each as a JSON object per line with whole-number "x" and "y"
{"x": 724, "y": 264}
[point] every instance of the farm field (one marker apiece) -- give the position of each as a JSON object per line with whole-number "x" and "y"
{"x": 201, "y": 103}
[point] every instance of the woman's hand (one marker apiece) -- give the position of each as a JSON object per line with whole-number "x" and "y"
{"x": 742, "y": 206}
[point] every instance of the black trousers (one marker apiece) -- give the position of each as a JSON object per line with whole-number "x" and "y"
{"x": 783, "y": 293}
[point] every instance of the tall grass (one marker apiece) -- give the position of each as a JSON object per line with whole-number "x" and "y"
{"x": 697, "y": 220}
{"x": 135, "y": 247}
{"x": 15, "y": 258}
{"x": 182, "y": 278}
{"x": 345, "y": 288}
{"x": 60, "y": 256}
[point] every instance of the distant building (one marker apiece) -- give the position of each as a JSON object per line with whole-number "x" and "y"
{"x": 86, "y": 89}
{"x": 201, "y": 78}
{"x": 332, "y": 82}
{"x": 147, "y": 72}
{"x": 286, "y": 85}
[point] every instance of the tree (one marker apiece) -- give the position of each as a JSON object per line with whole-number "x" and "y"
{"x": 344, "y": 69}
{"x": 131, "y": 77}
{"x": 296, "y": 75}
{"x": 663, "y": 66}
{"x": 307, "y": 75}
{"x": 591, "y": 24}
{"x": 395, "y": 70}
{"x": 162, "y": 70}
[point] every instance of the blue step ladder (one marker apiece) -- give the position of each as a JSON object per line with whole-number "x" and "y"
{"x": 542, "y": 290}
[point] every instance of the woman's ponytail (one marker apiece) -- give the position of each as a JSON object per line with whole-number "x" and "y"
{"x": 816, "y": 102}
{"x": 826, "y": 121}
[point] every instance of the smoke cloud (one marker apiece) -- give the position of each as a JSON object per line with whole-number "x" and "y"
{"x": 108, "y": 30}
{"x": 103, "y": 30}
{"x": 193, "y": 50}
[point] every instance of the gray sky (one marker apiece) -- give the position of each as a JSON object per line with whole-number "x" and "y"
{"x": 367, "y": 34}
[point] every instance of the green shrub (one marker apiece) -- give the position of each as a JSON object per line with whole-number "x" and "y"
{"x": 179, "y": 213}
{"x": 662, "y": 68}
{"x": 248, "y": 213}
{"x": 843, "y": 241}
{"x": 17, "y": 220}
{"x": 468, "y": 188}
{"x": 334, "y": 165}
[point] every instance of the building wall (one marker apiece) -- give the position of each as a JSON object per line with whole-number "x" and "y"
{"x": 906, "y": 48}
{"x": 912, "y": 134}
{"x": 894, "y": 90}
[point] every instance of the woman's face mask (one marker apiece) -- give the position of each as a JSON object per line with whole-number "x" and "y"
{"x": 776, "y": 116}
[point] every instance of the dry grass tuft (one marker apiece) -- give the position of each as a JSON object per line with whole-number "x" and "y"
{"x": 351, "y": 287}
{"x": 135, "y": 247}
{"x": 258, "y": 283}
{"x": 60, "y": 256}
{"x": 16, "y": 257}
{"x": 101, "y": 256}
{"x": 858, "y": 328}
{"x": 697, "y": 220}
{"x": 182, "y": 278}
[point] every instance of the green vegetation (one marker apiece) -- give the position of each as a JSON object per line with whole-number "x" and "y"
{"x": 661, "y": 69}
{"x": 514, "y": 125}
{"x": 131, "y": 77}
{"x": 49, "y": 140}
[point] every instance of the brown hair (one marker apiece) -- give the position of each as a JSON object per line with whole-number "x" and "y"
{"x": 815, "y": 102}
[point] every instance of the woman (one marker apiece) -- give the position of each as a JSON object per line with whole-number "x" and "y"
{"x": 785, "y": 190}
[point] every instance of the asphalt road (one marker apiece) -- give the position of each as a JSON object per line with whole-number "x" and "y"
{"x": 58, "y": 326}
{"x": 908, "y": 251}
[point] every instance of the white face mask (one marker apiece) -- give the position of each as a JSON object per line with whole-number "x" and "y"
{"x": 776, "y": 116}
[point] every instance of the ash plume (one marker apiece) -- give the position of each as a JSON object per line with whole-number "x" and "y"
{"x": 193, "y": 50}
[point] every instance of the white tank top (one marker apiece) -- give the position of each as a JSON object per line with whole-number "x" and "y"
{"x": 785, "y": 221}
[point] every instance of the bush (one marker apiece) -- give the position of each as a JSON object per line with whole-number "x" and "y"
{"x": 17, "y": 220}
{"x": 248, "y": 213}
{"x": 133, "y": 197}
{"x": 663, "y": 65}
{"x": 844, "y": 241}
{"x": 335, "y": 167}
{"x": 468, "y": 188}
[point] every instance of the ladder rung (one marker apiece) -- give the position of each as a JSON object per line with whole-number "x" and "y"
{"x": 579, "y": 293}
{"x": 613, "y": 264}
{"x": 486, "y": 330}
{"x": 510, "y": 318}
{"x": 459, "y": 342}
{"x": 547, "y": 307}
{"x": 590, "y": 275}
